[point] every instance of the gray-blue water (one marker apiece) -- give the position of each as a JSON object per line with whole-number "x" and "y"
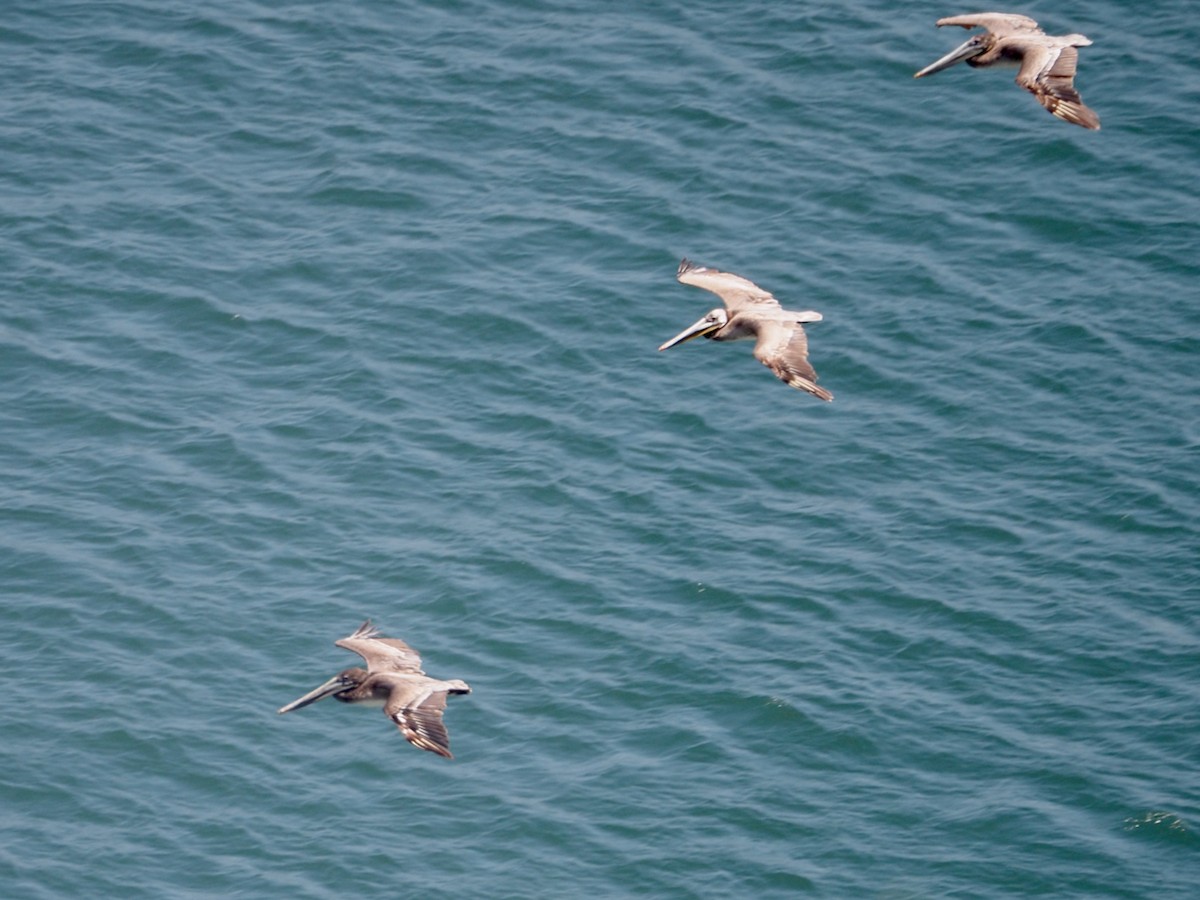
{"x": 318, "y": 311}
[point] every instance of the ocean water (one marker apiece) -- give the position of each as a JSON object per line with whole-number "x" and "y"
{"x": 314, "y": 312}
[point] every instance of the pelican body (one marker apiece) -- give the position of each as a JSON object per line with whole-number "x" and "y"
{"x": 751, "y": 313}
{"x": 1047, "y": 62}
{"x": 393, "y": 679}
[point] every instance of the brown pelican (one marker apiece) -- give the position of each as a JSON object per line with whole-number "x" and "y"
{"x": 1047, "y": 61}
{"x": 751, "y": 312}
{"x": 393, "y": 680}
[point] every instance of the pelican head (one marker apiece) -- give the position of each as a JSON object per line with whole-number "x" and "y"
{"x": 968, "y": 51}
{"x": 708, "y": 326}
{"x": 346, "y": 680}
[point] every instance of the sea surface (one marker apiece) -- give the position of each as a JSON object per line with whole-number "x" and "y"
{"x": 318, "y": 312}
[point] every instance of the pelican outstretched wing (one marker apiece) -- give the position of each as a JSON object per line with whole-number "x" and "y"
{"x": 782, "y": 347}
{"x": 417, "y": 711}
{"x": 996, "y": 23}
{"x": 735, "y": 291}
{"x": 382, "y": 654}
{"x": 1048, "y": 73}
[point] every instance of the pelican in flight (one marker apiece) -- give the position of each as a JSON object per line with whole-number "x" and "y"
{"x": 1047, "y": 61}
{"x": 751, "y": 312}
{"x": 393, "y": 680}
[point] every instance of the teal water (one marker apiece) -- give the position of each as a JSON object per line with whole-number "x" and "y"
{"x": 315, "y": 312}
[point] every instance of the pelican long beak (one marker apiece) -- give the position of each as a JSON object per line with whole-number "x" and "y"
{"x": 333, "y": 686}
{"x": 704, "y": 326}
{"x": 957, "y": 55}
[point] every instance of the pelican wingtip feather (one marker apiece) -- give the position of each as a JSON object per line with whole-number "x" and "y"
{"x": 364, "y": 632}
